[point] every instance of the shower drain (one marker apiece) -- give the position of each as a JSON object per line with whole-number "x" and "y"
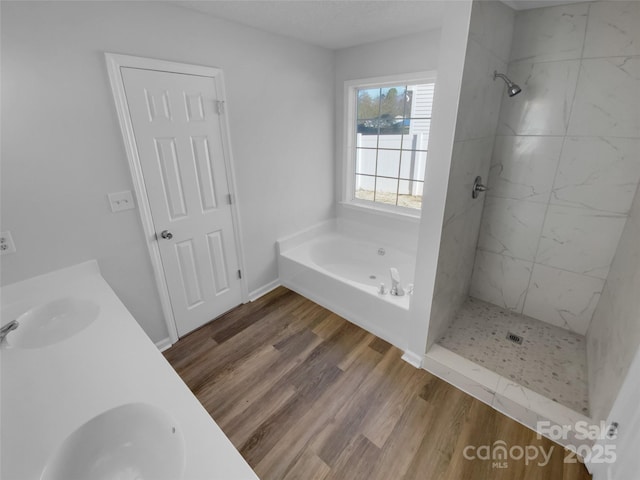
{"x": 512, "y": 337}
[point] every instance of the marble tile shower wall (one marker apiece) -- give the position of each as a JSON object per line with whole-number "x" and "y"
{"x": 566, "y": 162}
{"x": 488, "y": 46}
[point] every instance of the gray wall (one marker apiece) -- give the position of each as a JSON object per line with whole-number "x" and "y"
{"x": 62, "y": 151}
{"x": 488, "y": 46}
{"x": 614, "y": 335}
{"x": 565, "y": 165}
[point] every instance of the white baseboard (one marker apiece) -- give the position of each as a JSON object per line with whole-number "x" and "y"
{"x": 164, "y": 344}
{"x": 259, "y": 292}
{"x": 413, "y": 359}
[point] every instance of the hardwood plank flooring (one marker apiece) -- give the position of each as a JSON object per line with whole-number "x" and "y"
{"x": 304, "y": 394}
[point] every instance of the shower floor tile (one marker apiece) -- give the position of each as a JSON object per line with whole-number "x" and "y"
{"x": 551, "y": 361}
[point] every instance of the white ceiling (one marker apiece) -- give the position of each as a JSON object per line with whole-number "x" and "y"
{"x": 328, "y": 23}
{"x": 336, "y": 24}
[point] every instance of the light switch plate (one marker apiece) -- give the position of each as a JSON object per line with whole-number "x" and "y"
{"x": 6, "y": 243}
{"x": 120, "y": 201}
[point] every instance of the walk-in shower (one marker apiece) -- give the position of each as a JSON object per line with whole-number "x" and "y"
{"x": 550, "y": 241}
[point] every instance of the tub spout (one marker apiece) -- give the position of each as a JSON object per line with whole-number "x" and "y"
{"x": 396, "y": 289}
{"x": 4, "y": 331}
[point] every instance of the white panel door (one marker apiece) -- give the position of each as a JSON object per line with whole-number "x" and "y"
{"x": 178, "y": 133}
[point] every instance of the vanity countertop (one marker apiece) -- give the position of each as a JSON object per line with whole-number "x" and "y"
{"x": 48, "y": 392}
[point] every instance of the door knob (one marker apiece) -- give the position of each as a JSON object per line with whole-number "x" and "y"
{"x": 166, "y": 234}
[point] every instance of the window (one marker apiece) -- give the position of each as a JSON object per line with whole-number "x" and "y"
{"x": 387, "y": 141}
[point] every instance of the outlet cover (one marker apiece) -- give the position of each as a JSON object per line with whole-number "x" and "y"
{"x": 120, "y": 201}
{"x": 6, "y": 243}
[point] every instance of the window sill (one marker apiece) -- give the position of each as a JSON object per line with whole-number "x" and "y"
{"x": 392, "y": 212}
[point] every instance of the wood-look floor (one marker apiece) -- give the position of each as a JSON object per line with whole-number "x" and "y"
{"x": 304, "y": 394}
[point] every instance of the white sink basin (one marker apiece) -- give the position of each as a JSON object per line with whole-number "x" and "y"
{"x": 135, "y": 441}
{"x": 52, "y": 322}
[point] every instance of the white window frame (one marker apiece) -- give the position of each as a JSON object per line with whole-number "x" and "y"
{"x": 349, "y": 148}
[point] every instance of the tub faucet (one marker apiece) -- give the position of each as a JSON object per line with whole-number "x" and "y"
{"x": 396, "y": 289}
{"x": 4, "y": 331}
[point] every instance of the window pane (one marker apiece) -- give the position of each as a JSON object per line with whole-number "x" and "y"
{"x": 410, "y": 194}
{"x": 412, "y": 165}
{"x": 366, "y": 161}
{"x": 392, "y": 102}
{"x": 390, "y": 141}
{"x": 368, "y": 103}
{"x": 386, "y": 190}
{"x": 421, "y": 100}
{"x": 415, "y": 142}
{"x": 417, "y": 127}
{"x": 388, "y": 163}
{"x": 366, "y": 141}
{"x": 410, "y": 142}
{"x": 365, "y": 186}
{"x": 391, "y": 110}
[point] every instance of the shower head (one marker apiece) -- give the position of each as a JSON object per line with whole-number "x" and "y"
{"x": 512, "y": 88}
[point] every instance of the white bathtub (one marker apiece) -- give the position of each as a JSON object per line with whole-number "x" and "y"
{"x": 343, "y": 274}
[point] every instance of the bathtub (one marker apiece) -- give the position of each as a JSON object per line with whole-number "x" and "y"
{"x": 343, "y": 272}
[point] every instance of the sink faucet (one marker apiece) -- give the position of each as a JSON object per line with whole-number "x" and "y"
{"x": 396, "y": 289}
{"x": 4, "y": 331}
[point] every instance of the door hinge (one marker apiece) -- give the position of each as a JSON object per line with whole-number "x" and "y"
{"x": 239, "y": 273}
{"x": 220, "y": 106}
{"x": 230, "y": 198}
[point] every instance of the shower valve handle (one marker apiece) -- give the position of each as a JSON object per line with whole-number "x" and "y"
{"x": 477, "y": 187}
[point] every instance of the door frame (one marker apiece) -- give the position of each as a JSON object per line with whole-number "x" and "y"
{"x": 114, "y": 63}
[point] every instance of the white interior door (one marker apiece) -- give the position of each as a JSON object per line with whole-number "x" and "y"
{"x": 179, "y": 137}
